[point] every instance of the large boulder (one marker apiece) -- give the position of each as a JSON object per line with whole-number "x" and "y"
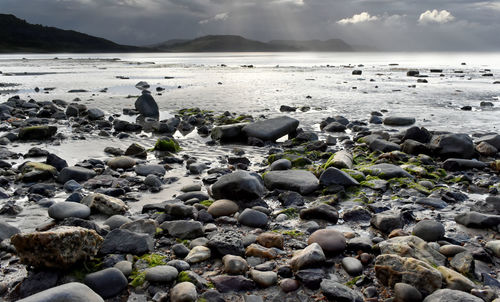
{"x": 37, "y": 132}
{"x": 146, "y": 105}
{"x": 457, "y": 145}
{"x": 105, "y": 204}
{"x": 271, "y": 129}
{"x": 229, "y": 133}
{"x": 69, "y": 292}
{"x": 392, "y": 269}
{"x": 58, "y": 248}
{"x": 239, "y": 185}
{"x": 303, "y": 182}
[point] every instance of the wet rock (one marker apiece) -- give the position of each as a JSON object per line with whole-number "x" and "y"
{"x": 450, "y": 295}
{"x": 420, "y": 135}
{"x": 492, "y": 139}
{"x": 322, "y": 211}
{"x": 56, "y": 162}
{"x": 153, "y": 181}
{"x": 74, "y": 292}
{"x": 406, "y": 293}
{"x": 62, "y": 210}
{"x": 334, "y": 127}
{"x": 303, "y": 182}
{"x": 429, "y": 230}
{"x": 486, "y": 149}
{"x": 184, "y": 292}
{"x": 37, "y": 132}
{"x": 352, "y": 266}
{"x": 228, "y": 133}
{"x": 432, "y": 202}
{"x": 180, "y": 250}
{"x": 386, "y": 171}
{"x": 58, "y": 248}
{"x": 161, "y": 273}
{"x": 121, "y": 162}
{"x": 357, "y": 214}
{"x": 392, "y": 269}
{"x": 145, "y": 226}
{"x": 342, "y": 160}
{"x": 7, "y": 230}
{"x": 125, "y": 267}
{"x": 239, "y": 185}
{"x": 311, "y": 277}
{"x": 458, "y": 164}
{"x": 455, "y": 280}
{"x": 463, "y": 263}
{"x": 253, "y": 218}
{"x": 412, "y": 246}
{"x": 115, "y": 221}
{"x": 271, "y": 129}
{"x": 107, "y": 282}
{"x": 78, "y": 174}
{"x": 399, "y": 121}
{"x": 450, "y": 250}
{"x": 289, "y": 285}
{"x": 453, "y": 145}
{"x": 95, "y": 114}
{"x": 477, "y": 220}
{"x": 145, "y": 170}
{"x": 387, "y": 221}
{"x": 146, "y": 105}
{"x": 264, "y": 279}
{"x": 334, "y": 176}
{"x": 311, "y": 256}
{"x": 331, "y": 241}
{"x": 183, "y": 229}
{"x": 256, "y": 250}
{"x": 290, "y": 198}
{"x": 123, "y": 241}
{"x": 223, "y": 207}
{"x": 225, "y": 284}
{"x": 226, "y": 242}
{"x": 105, "y": 204}
{"x": 281, "y": 164}
{"x": 384, "y": 146}
{"x": 198, "y": 254}
{"x": 270, "y": 240}
{"x": 335, "y": 291}
{"x": 494, "y": 247}
{"x": 234, "y": 265}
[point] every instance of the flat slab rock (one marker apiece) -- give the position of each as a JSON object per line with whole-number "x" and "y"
{"x": 271, "y": 129}
{"x": 303, "y": 182}
{"x": 74, "y": 292}
{"x": 386, "y": 171}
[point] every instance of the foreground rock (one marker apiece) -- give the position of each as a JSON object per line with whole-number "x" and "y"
{"x": 107, "y": 283}
{"x": 123, "y": 241}
{"x": 392, "y": 269}
{"x": 335, "y": 291}
{"x": 303, "y": 182}
{"x": 239, "y": 185}
{"x": 184, "y": 292}
{"x": 69, "y": 292}
{"x": 146, "y": 105}
{"x": 450, "y": 295}
{"x": 58, "y": 248}
{"x": 105, "y": 204}
{"x": 78, "y": 174}
{"x": 271, "y": 129}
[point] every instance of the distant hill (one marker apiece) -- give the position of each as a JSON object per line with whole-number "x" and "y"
{"x": 227, "y": 43}
{"x": 17, "y": 35}
{"x": 314, "y": 45}
{"x": 221, "y": 43}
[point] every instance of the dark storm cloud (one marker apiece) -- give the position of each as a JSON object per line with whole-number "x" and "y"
{"x": 385, "y": 24}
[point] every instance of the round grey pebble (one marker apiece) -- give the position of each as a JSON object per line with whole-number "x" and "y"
{"x": 161, "y": 273}
{"x": 62, "y": 210}
{"x": 429, "y": 230}
{"x": 352, "y": 266}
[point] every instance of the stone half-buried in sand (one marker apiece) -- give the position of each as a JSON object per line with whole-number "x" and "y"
{"x": 61, "y": 247}
{"x": 146, "y": 105}
{"x": 271, "y": 129}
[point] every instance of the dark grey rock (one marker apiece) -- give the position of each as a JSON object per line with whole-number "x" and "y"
{"x": 123, "y": 241}
{"x": 477, "y": 220}
{"x": 303, "y": 182}
{"x": 453, "y": 145}
{"x": 450, "y": 295}
{"x": 335, "y": 291}
{"x": 458, "y": 164}
{"x": 226, "y": 284}
{"x": 334, "y": 176}
{"x": 107, "y": 283}
{"x": 399, "y": 121}
{"x": 74, "y": 292}
{"x": 352, "y": 266}
{"x": 386, "y": 171}
{"x": 281, "y": 164}
{"x": 95, "y": 114}
{"x": 145, "y": 170}
{"x": 7, "y": 230}
{"x": 183, "y": 229}
{"x": 383, "y": 146}
{"x": 406, "y": 293}
{"x": 78, "y": 174}
{"x": 429, "y": 230}
{"x": 322, "y": 211}
{"x": 271, "y": 129}
{"x": 146, "y": 105}
{"x": 62, "y": 210}
{"x": 226, "y": 242}
{"x": 253, "y": 218}
{"x": 387, "y": 221}
{"x": 228, "y": 133}
{"x": 239, "y": 185}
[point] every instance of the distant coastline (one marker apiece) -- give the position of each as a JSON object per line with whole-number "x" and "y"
{"x": 19, "y": 36}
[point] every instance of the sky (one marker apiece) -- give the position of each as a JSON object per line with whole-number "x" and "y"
{"x": 396, "y": 25}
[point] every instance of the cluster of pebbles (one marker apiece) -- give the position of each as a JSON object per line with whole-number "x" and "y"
{"x": 345, "y": 213}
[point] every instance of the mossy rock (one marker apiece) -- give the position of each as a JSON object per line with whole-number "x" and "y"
{"x": 167, "y": 144}
{"x": 37, "y": 132}
{"x": 30, "y": 166}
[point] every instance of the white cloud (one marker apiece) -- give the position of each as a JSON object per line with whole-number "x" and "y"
{"x": 360, "y": 18}
{"x": 435, "y": 16}
{"x": 218, "y": 17}
{"x": 294, "y": 2}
